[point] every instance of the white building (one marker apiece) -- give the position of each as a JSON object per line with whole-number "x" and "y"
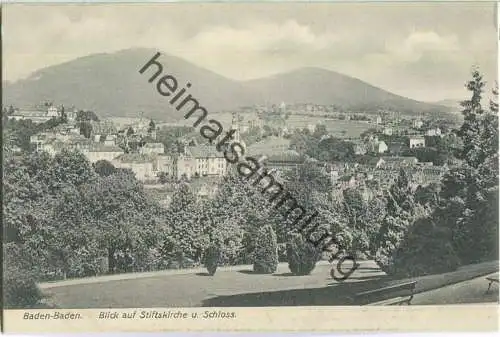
{"x": 417, "y": 141}
{"x": 417, "y": 123}
{"x": 149, "y": 148}
{"x": 98, "y": 151}
{"x": 388, "y": 131}
{"x": 434, "y": 132}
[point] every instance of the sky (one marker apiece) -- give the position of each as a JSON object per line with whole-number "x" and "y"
{"x": 422, "y": 50}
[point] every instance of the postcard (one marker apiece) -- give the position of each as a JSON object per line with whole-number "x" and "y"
{"x": 284, "y": 166}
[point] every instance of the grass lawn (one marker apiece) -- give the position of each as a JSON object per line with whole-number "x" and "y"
{"x": 243, "y": 288}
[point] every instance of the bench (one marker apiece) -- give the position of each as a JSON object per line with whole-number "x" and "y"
{"x": 491, "y": 279}
{"x": 398, "y": 294}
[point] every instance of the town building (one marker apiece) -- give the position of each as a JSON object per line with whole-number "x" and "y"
{"x": 388, "y": 131}
{"x": 142, "y": 165}
{"x": 102, "y": 128}
{"x": 99, "y": 151}
{"x": 208, "y": 160}
{"x": 149, "y": 148}
{"x": 39, "y": 114}
{"x": 381, "y": 147}
{"x": 359, "y": 148}
{"x": 433, "y": 132}
{"x": 285, "y": 161}
{"x": 417, "y": 123}
{"x": 396, "y": 162}
{"x": 110, "y": 140}
{"x": 416, "y": 141}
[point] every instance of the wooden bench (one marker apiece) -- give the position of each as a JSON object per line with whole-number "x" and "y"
{"x": 398, "y": 294}
{"x": 491, "y": 279}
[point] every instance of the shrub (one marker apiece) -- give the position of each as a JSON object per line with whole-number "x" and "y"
{"x": 266, "y": 251}
{"x": 426, "y": 249}
{"x": 20, "y": 290}
{"x": 211, "y": 258}
{"x": 391, "y": 234}
{"x": 302, "y": 255}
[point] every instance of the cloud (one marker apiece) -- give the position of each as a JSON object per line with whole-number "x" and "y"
{"x": 402, "y": 48}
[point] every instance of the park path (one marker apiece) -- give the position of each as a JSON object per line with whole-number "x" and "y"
{"x": 467, "y": 292}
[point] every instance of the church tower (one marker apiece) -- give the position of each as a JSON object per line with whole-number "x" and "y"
{"x": 235, "y": 125}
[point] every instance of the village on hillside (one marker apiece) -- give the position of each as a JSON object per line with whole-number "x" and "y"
{"x": 379, "y": 146}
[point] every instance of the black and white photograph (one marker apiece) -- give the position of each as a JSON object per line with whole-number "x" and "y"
{"x": 228, "y": 155}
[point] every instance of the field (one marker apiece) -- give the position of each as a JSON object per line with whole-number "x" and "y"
{"x": 339, "y": 128}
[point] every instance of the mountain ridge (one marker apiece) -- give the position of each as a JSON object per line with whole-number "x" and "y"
{"x": 110, "y": 84}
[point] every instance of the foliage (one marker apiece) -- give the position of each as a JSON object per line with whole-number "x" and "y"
{"x": 18, "y": 133}
{"x": 20, "y": 290}
{"x": 86, "y": 116}
{"x": 68, "y": 218}
{"x": 399, "y": 216}
{"x": 392, "y": 232}
{"x": 475, "y": 236}
{"x": 211, "y": 258}
{"x": 104, "y": 168}
{"x": 302, "y": 255}
{"x": 266, "y": 252}
{"x": 85, "y": 128}
{"x": 463, "y": 226}
{"x": 428, "y": 195}
{"x": 426, "y": 249}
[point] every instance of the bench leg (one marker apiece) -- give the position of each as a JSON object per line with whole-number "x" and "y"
{"x": 489, "y": 286}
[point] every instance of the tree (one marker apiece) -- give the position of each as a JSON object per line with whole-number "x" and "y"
{"x": 302, "y": 255}
{"x": 426, "y": 249}
{"x": 466, "y": 191}
{"x": 402, "y": 193}
{"x": 266, "y": 252}
{"x": 186, "y": 229}
{"x": 463, "y": 227}
{"x": 151, "y": 126}
{"x": 104, "y": 168}
{"x": 85, "y": 129}
{"x": 211, "y": 258}
{"x": 130, "y": 131}
{"x": 471, "y": 131}
{"x": 86, "y": 116}
{"x": 399, "y": 216}
{"x": 428, "y": 195}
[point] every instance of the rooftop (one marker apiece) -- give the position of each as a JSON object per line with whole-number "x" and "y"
{"x": 204, "y": 151}
{"x": 154, "y": 145}
{"x": 400, "y": 159}
{"x": 135, "y": 158}
{"x": 99, "y": 147}
{"x": 286, "y": 156}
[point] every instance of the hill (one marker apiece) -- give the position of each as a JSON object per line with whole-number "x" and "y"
{"x": 111, "y": 85}
{"x": 451, "y": 103}
{"x": 320, "y": 86}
